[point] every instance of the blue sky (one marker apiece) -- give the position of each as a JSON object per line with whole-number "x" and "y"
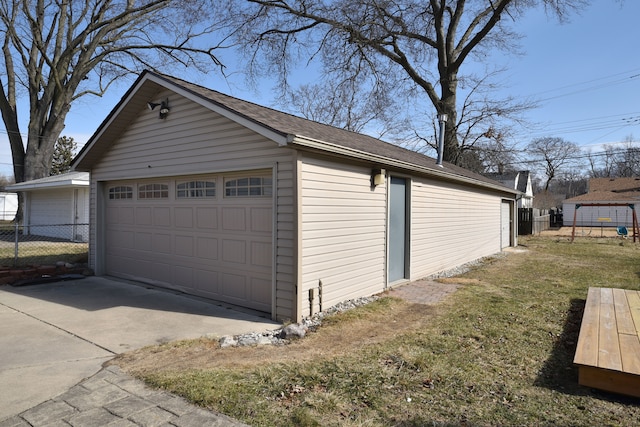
{"x": 585, "y": 72}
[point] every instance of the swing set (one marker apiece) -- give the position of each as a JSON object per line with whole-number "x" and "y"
{"x": 620, "y": 229}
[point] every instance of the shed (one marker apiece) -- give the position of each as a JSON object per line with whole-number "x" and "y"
{"x": 198, "y": 191}
{"x": 606, "y": 204}
{"x": 56, "y": 206}
{"x": 8, "y": 206}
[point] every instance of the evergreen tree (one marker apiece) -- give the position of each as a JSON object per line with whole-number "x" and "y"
{"x": 63, "y": 153}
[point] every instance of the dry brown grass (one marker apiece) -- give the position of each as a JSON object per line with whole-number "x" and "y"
{"x": 497, "y": 352}
{"x": 340, "y": 335}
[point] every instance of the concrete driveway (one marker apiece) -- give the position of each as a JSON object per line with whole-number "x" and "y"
{"x": 54, "y": 335}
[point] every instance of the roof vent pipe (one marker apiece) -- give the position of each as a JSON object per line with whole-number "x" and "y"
{"x": 442, "y": 119}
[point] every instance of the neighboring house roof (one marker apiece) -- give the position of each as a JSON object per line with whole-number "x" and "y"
{"x": 517, "y": 180}
{"x": 283, "y": 128}
{"x": 614, "y": 184}
{"x": 65, "y": 180}
{"x": 610, "y": 190}
{"x": 605, "y": 197}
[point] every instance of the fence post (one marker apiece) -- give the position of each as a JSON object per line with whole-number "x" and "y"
{"x": 15, "y": 249}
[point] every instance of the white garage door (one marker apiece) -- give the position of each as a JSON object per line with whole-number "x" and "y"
{"x": 206, "y": 235}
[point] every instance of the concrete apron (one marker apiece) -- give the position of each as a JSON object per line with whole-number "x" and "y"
{"x": 54, "y": 335}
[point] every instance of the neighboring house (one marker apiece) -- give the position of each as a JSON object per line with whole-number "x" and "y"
{"x": 218, "y": 197}
{"x": 56, "y": 206}
{"x": 521, "y": 181}
{"x": 604, "y": 192}
{"x": 8, "y": 206}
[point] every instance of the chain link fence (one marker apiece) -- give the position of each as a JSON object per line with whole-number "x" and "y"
{"x": 47, "y": 244}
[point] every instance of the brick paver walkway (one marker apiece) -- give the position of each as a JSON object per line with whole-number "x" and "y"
{"x": 113, "y": 398}
{"x": 424, "y": 291}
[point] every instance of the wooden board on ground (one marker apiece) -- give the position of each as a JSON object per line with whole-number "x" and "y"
{"x": 608, "y": 350}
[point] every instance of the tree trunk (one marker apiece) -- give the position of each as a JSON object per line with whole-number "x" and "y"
{"x": 449, "y": 84}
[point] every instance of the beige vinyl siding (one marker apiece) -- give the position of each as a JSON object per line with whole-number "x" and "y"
{"x": 451, "y": 225}
{"x": 195, "y": 140}
{"x": 343, "y": 232}
{"x": 284, "y": 233}
{"x": 192, "y": 139}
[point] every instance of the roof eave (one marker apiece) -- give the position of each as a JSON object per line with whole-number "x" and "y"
{"x": 441, "y": 173}
{"x": 48, "y": 185}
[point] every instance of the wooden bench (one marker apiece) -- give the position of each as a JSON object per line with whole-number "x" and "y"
{"x": 608, "y": 351}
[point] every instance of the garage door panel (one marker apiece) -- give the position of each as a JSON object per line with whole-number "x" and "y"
{"x": 123, "y": 239}
{"x": 261, "y": 220}
{"x": 219, "y": 248}
{"x": 112, "y": 215}
{"x": 183, "y": 276}
{"x": 234, "y": 286}
{"x": 207, "y": 248}
{"x": 233, "y": 219}
{"x": 184, "y": 217}
{"x": 259, "y": 290}
{"x": 234, "y": 251}
{"x": 206, "y": 218}
{"x": 184, "y": 245}
{"x": 143, "y": 216}
{"x": 143, "y": 241}
{"x": 261, "y": 254}
{"x": 162, "y": 243}
{"x": 125, "y": 215}
{"x": 162, "y": 216}
{"x": 206, "y": 281}
{"x": 161, "y": 272}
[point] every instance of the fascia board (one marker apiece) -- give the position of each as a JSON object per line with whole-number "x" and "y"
{"x": 374, "y": 158}
{"x": 48, "y": 185}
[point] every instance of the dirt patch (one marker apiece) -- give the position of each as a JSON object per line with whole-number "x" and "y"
{"x": 332, "y": 339}
{"x": 609, "y": 231}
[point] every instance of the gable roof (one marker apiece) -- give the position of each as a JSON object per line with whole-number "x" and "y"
{"x": 280, "y": 127}
{"x": 513, "y": 179}
{"x": 65, "y": 180}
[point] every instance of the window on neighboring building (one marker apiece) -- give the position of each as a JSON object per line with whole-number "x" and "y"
{"x": 120, "y": 192}
{"x": 153, "y": 191}
{"x": 247, "y": 187}
{"x": 196, "y": 189}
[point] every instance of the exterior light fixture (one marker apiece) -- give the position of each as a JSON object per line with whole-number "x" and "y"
{"x": 164, "y": 108}
{"x": 378, "y": 177}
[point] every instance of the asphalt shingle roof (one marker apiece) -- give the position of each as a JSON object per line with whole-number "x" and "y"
{"x": 288, "y": 124}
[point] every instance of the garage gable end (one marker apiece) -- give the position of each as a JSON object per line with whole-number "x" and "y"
{"x": 192, "y": 139}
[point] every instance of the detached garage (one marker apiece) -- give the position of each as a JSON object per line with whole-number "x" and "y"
{"x": 218, "y": 197}
{"x": 56, "y": 206}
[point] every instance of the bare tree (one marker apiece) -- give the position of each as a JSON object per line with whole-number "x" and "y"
{"x": 614, "y": 162}
{"x": 627, "y": 161}
{"x": 555, "y": 154}
{"x": 496, "y": 155}
{"x": 419, "y": 45}
{"x": 602, "y": 164}
{"x": 341, "y": 105}
{"x": 54, "y": 52}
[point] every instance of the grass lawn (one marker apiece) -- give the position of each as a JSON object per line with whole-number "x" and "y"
{"x": 497, "y": 352}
